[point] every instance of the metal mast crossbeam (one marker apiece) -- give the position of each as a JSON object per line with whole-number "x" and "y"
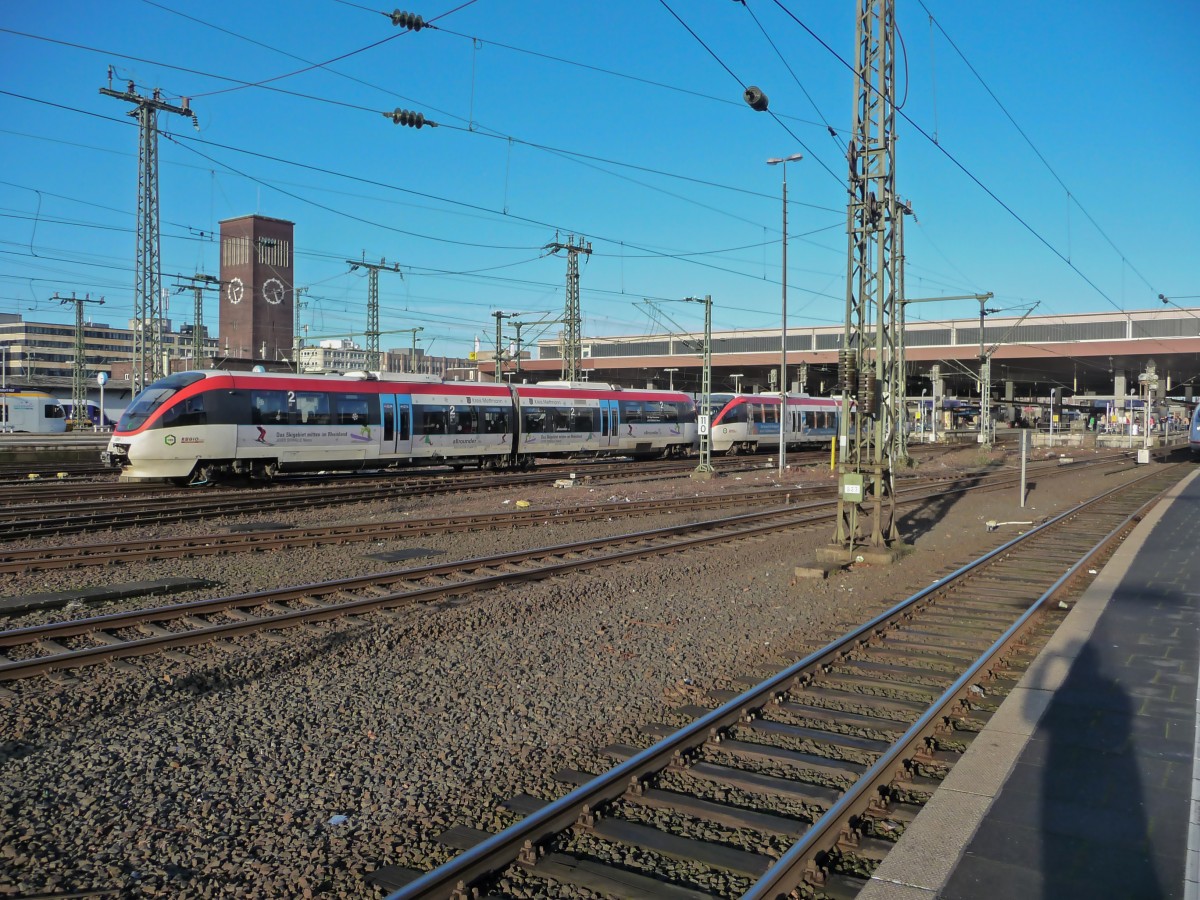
{"x": 372, "y": 332}
{"x": 571, "y": 344}
{"x": 147, "y": 295}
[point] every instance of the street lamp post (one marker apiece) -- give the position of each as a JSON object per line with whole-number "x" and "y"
{"x": 783, "y": 392}
{"x": 670, "y": 378}
{"x": 737, "y": 381}
{"x": 1052, "y": 390}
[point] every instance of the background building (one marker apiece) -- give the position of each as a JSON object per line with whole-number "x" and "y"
{"x": 257, "y": 317}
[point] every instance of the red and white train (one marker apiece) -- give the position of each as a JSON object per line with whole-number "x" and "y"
{"x": 199, "y": 426}
{"x": 746, "y": 423}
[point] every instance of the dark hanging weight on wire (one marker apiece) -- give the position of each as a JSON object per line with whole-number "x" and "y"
{"x": 756, "y": 98}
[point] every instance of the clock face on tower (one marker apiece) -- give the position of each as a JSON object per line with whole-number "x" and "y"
{"x": 234, "y": 291}
{"x": 273, "y": 291}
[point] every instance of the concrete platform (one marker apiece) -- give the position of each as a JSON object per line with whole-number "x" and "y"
{"x": 1085, "y": 783}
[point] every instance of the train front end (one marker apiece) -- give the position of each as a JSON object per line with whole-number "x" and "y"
{"x": 165, "y": 432}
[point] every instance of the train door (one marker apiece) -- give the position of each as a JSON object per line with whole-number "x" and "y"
{"x": 397, "y": 426}
{"x": 608, "y": 423}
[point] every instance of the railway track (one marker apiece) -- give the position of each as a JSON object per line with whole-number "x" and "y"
{"x": 46, "y": 514}
{"x": 269, "y": 538}
{"x": 800, "y": 784}
{"x": 55, "y": 647}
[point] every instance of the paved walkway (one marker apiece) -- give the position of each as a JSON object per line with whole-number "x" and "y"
{"x": 1085, "y": 782}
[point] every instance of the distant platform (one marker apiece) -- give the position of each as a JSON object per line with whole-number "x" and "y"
{"x": 17, "y": 448}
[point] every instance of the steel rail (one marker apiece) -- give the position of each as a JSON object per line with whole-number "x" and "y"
{"x": 52, "y": 557}
{"x": 799, "y": 862}
{"x": 669, "y": 539}
{"x": 458, "y": 876}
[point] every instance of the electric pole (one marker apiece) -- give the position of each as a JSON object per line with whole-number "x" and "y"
{"x": 372, "y": 332}
{"x": 901, "y": 434}
{"x": 704, "y": 470}
{"x": 297, "y": 341}
{"x": 571, "y": 314}
{"x": 147, "y": 296}
{"x": 868, "y": 372}
{"x": 500, "y": 317}
{"x": 518, "y": 326}
{"x": 199, "y": 284}
{"x": 79, "y": 414}
{"x": 412, "y": 359}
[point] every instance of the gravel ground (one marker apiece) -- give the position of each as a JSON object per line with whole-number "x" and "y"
{"x": 296, "y": 768}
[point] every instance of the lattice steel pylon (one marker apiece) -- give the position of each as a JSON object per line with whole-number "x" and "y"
{"x": 199, "y": 283}
{"x": 869, "y": 362}
{"x": 372, "y": 332}
{"x": 79, "y": 414}
{"x": 571, "y": 343}
{"x": 147, "y": 278}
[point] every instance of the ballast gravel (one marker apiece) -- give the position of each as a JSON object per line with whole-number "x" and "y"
{"x": 297, "y": 767}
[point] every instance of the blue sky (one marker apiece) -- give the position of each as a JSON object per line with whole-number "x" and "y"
{"x": 611, "y": 121}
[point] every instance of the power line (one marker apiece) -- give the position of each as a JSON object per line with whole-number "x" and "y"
{"x": 941, "y": 149}
{"x": 1070, "y": 194}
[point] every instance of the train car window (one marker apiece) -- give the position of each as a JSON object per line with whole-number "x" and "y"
{"x": 186, "y": 412}
{"x": 604, "y": 417}
{"x": 54, "y": 411}
{"x": 533, "y": 421}
{"x": 308, "y": 408}
{"x": 632, "y": 411}
{"x": 268, "y": 407}
{"x": 465, "y": 420}
{"x": 404, "y": 435}
{"x": 431, "y": 420}
{"x": 661, "y": 411}
{"x": 352, "y": 409}
{"x": 389, "y": 422}
{"x": 495, "y": 420}
{"x": 560, "y": 419}
{"x": 685, "y": 412}
{"x": 587, "y": 420}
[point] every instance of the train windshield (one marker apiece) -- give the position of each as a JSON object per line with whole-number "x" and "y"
{"x": 153, "y": 397}
{"x": 717, "y": 402}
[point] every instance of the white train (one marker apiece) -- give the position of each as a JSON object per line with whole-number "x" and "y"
{"x": 193, "y": 427}
{"x": 33, "y": 411}
{"x": 746, "y": 423}
{"x": 1194, "y": 433}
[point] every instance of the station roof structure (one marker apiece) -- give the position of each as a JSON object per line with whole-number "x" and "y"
{"x": 1081, "y": 353}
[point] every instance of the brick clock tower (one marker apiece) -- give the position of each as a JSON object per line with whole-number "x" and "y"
{"x": 257, "y": 297}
